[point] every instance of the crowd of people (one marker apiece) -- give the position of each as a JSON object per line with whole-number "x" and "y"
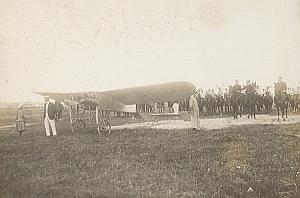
{"x": 235, "y": 99}
{"x": 245, "y": 99}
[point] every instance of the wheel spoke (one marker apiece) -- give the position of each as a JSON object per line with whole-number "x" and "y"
{"x": 78, "y": 125}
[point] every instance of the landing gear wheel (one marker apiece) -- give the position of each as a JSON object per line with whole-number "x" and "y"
{"x": 78, "y": 126}
{"x": 104, "y": 127}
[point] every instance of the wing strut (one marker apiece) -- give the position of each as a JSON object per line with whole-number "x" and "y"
{"x": 97, "y": 115}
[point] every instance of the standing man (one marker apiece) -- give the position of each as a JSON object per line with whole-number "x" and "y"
{"x": 220, "y": 92}
{"x": 237, "y": 88}
{"x": 267, "y": 91}
{"x": 194, "y": 111}
{"x": 49, "y": 116}
{"x": 220, "y": 101}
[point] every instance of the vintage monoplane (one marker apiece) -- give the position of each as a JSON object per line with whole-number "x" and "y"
{"x": 100, "y": 103}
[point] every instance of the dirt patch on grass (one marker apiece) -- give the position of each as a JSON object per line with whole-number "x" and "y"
{"x": 210, "y": 123}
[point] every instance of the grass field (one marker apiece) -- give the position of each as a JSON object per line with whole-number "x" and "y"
{"x": 243, "y": 161}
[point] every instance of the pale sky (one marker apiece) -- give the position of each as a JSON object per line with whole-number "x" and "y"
{"x": 96, "y": 45}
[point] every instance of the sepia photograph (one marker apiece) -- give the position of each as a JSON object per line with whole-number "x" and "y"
{"x": 150, "y": 98}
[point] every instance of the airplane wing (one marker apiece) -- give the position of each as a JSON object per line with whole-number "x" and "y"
{"x": 153, "y": 93}
{"x": 117, "y": 99}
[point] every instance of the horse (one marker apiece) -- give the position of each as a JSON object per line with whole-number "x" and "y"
{"x": 235, "y": 102}
{"x": 227, "y": 103}
{"x": 243, "y": 104}
{"x": 220, "y": 104}
{"x": 268, "y": 102}
{"x": 282, "y": 103}
{"x": 252, "y": 98}
{"x": 294, "y": 102}
{"x": 201, "y": 103}
{"x": 213, "y": 104}
{"x": 260, "y": 103}
{"x": 210, "y": 104}
{"x": 297, "y": 96}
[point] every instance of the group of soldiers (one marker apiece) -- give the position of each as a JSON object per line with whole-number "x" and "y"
{"x": 235, "y": 100}
{"x": 238, "y": 99}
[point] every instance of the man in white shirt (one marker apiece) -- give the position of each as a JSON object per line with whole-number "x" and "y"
{"x": 49, "y": 115}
